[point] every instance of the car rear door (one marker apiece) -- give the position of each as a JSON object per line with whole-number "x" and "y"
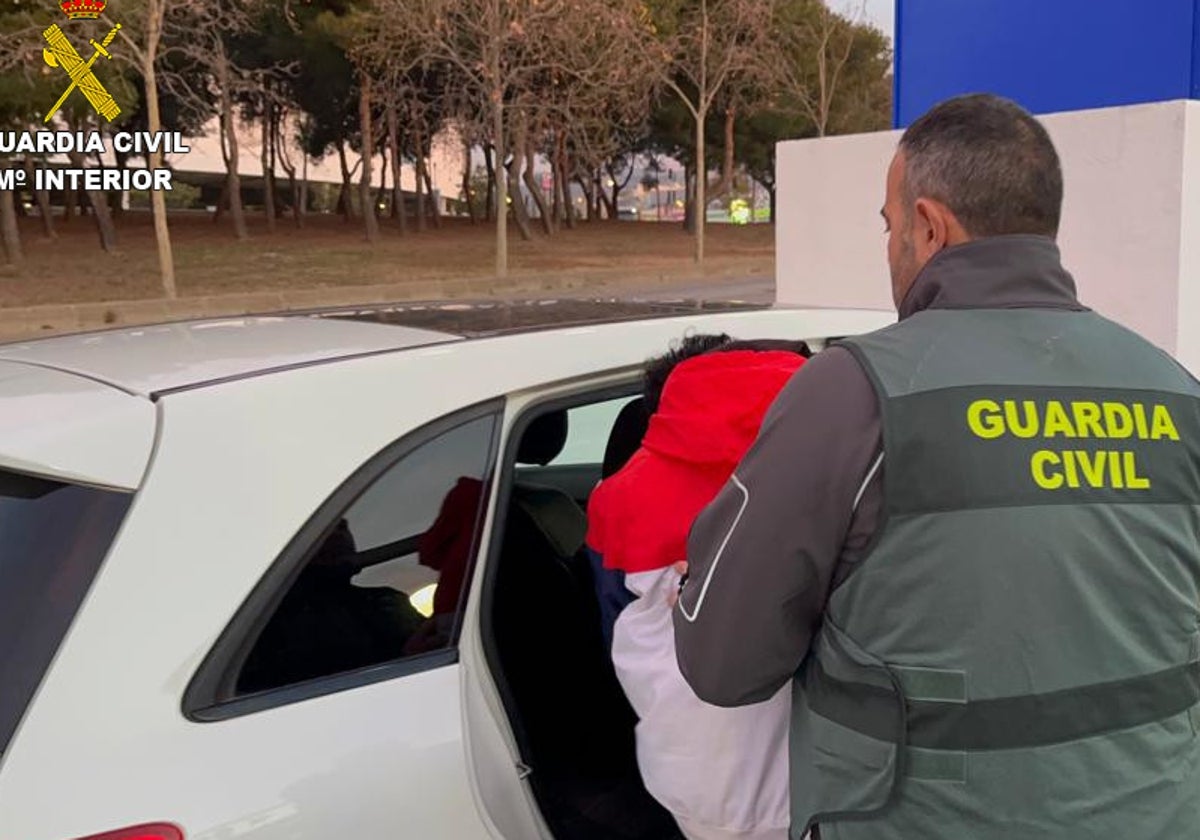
{"x": 72, "y": 452}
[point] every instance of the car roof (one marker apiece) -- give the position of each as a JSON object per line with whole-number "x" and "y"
{"x": 146, "y": 360}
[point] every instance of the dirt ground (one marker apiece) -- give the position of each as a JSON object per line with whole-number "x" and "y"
{"x": 329, "y": 252}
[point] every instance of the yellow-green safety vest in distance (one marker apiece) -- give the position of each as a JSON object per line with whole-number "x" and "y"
{"x": 1018, "y": 655}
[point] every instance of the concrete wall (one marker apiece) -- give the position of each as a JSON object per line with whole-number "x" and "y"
{"x": 1130, "y": 232}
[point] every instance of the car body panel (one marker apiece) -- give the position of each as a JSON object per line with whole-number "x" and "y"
{"x": 239, "y": 467}
{"x": 144, "y": 360}
{"x": 61, "y": 425}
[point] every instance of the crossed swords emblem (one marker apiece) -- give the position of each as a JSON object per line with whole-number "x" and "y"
{"x": 62, "y": 54}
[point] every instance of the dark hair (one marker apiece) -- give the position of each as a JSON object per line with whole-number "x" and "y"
{"x": 658, "y": 369}
{"x": 988, "y": 160}
{"x": 655, "y": 374}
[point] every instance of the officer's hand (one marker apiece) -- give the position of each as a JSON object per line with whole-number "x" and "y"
{"x": 673, "y": 596}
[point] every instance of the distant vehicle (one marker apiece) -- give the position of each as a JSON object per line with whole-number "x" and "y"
{"x": 628, "y": 213}
{"x": 319, "y": 575}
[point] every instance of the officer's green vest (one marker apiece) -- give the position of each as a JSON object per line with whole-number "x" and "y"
{"x": 1018, "y": 655}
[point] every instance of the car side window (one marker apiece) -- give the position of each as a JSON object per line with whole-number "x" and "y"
{"x": 589, "y": 427}
{"x": 387, "y": 579}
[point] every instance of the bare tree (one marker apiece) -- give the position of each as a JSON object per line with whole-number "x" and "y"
{"x": 479, "y": 39}
{"x": 142, "y": 26}
{"x": 815, "y": 45}
{"x": 197, "y": 32}
{"x": 392, "y": 117}
{"x": 825, "y": 60}
{"x": 42, "y": 197}
{"x": 701, "y": 46}
{"x": 497, "y": 53}
{"x": 295, "y": 188}
{"x": 366, "y": 123}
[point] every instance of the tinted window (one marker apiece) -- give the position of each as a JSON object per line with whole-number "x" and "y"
{"x": 388, "y": 578}
{"x": 53, "y": 537}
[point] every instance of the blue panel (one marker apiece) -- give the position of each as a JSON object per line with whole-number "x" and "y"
{"x": 1049, "y": 55}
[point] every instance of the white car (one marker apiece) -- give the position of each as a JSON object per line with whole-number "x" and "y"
{"x": 320, "y": 576}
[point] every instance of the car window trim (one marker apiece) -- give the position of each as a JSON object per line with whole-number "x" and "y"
{"x": 209, "y": 695}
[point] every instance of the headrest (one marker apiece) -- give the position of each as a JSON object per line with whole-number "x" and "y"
{"x": 626, "y": 436}
{"x": 544, "y": 438}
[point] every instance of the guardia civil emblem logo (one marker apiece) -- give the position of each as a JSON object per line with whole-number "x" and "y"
{"x": 60, "y": 52}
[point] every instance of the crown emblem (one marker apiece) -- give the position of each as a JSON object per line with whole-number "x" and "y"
{"x": 83, "y": 9}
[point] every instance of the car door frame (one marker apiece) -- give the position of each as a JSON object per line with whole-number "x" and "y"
{"x": 505, "y": 785}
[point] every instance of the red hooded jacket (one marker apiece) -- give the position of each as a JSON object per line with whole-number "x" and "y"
{"x": 708, "y": 416}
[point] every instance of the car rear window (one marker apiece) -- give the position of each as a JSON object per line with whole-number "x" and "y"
{"x": 53, "y": 537}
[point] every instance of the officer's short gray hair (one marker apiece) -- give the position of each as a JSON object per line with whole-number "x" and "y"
{"x": 988, "y": 160}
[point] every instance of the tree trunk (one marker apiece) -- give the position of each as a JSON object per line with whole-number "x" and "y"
{"x": 294, "y": 192}
{"x": 614, "y": 200}
{"x": 230, "y": 150}
{"x": 557, "y": 205}
{"x": 113, "y": 197}
{"x": 158, "y": 201}
{"x": 419, "y": 155}
{"x": 368, "y": 151}
{"x": 535, "y": 190}
{"x": 701, "y": 177}
{"x": 42, "y": 197}
{"x": 520, "y": 213}
{"x": 689, "y": 200}
{"x": 383, "y": 173}
{"x": 274, "y": 111}
{"x": 570, "y": 216}
{"x": 562, "y": 184}
{"x": 619, "y": 185}
{"x": 303, "y": 190}
{"x": 466, "y": 182}
{"x": 344, "y": 205}
{"x": 265, "y": 160}
{"x": 10, "y": 232}
{"x": 222, "y": 201}
{"x": 70, "y": 204}
{"x": 610, "y": 207}
{"x": 399, "y": 212}
{"x": 588, "y": 196}
{"x": 104, "y": 223}
{"x": 501, "y": 183}
{"x": 289, "y": 168}
{"x": 435, "y": 212}
{"x": 490, "y": 203}
{"x": 724, "y": 183}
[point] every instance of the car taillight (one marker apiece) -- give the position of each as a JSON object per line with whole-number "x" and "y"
{"x": 149, "y": 831}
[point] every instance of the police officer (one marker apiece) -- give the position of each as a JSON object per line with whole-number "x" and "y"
{"x": 970, "y": 538}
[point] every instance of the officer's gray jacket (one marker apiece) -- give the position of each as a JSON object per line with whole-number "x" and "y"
{"x": 972, "y": 540}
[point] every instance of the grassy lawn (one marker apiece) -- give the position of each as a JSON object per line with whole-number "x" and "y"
{"x": 329, "y": 252}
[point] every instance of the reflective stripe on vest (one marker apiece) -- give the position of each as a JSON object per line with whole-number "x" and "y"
{"x": 1009, "y": 722}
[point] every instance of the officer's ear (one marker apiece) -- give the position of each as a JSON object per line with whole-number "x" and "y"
{"x": 934, "y": 227}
